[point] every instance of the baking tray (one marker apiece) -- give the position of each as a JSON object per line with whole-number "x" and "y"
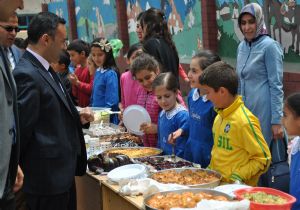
{"x": 194, "y": 190}
{"x": 157, "y": 151}
{"x": 206, "y": 185}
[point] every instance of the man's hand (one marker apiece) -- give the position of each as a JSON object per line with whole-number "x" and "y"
{"x": 86, "y": 115}
{"x": 277, "y": 132}
{"x": 19, "y": 180}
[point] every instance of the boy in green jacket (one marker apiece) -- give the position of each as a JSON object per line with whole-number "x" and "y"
{"x": 240, "y": 152}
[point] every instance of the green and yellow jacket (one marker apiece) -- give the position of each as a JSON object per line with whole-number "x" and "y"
{"x": 240, "y": 151}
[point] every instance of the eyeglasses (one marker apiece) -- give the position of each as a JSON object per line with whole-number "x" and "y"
{"x": 10, "y": 28}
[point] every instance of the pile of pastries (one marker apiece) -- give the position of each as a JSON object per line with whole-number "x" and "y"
{"x": 121, "y": 137}
{"x": 185, "y": 177}
{"x": 184, "y": 200}
{"x": 135, "y": 152}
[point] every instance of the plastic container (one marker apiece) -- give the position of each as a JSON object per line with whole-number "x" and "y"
{"x": 258, "y": 206}
{"x": 101, "y": 114}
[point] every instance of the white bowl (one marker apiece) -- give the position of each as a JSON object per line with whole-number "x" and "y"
{"x": 131, "y": 171}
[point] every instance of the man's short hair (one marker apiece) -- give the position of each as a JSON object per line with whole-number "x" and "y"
{"x": 220, "y": 74}
{"x": 43, "y": 23}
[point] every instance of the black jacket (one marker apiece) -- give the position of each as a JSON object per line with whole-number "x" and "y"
{"x": 52, "y": 148}
{"x": 164, "y": 54}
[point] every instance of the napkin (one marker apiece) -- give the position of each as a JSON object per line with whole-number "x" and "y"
{"x": 146, "y": 187}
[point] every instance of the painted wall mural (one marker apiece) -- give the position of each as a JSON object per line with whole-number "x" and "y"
{"x": 184, "y": 21}
{"x": 96, "y": 18}
{"x": 282, "y": 19}
{"x": 60, "y": 8}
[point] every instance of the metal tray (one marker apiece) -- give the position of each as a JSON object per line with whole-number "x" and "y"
{"x": 194, "y": 190}
{"x": 157, "y": 160}
{"x": 206, "y": 185}
{"x": 158, "y": 151}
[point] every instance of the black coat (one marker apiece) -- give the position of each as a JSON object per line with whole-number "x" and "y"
{"x": 164, "y": 54}
{"x": 52, "y": 148}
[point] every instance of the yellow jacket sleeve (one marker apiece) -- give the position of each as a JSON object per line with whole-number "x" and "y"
{"x": 258, "y": 150}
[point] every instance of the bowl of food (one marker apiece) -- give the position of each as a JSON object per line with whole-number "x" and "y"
{"x": 264, "y": 198}
{"x": 184, "y": 198}
{"x": 191, "y": 177}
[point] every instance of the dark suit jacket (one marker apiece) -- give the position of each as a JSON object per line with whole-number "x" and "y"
{"x": 9, "y": 153}
{"x": 51, "y": 132}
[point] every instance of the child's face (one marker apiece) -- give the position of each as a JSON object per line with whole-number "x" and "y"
{"x": 57, "y": 67}
{"x": 213, "y": 96}
{"x": 98, "y": 56}
{"x": 290, "y": 121}
{"x": 145, "y": 78}
{"x": 194, "y": 73}
{"x": 76, "y": 58}
{"x": 139, "y": 31}
{"x": 134, "y": 55}
{"x": 166, "y": 99}
{"x": 91, "y": 66}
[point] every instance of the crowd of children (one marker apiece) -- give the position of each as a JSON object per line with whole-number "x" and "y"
{"x": 215, "y": 129}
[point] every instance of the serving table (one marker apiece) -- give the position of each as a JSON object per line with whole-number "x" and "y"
{"x": 94, "y": 192}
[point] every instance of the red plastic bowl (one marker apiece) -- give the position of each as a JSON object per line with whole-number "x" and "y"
{"x": 258, "y": 206}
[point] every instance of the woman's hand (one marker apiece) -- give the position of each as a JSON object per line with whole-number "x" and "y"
{"x": 277, "y": 132}
{"x": 148, "y": 128}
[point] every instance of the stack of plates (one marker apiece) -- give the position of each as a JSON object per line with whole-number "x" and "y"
{"x": 133, "y": 117}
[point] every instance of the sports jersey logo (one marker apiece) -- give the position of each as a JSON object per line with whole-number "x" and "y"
{"x": 227, "y": 128}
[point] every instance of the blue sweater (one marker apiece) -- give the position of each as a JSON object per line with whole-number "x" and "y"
{"x": 105, "y": 91}
{"x": 168, "y": 122}
{"x": 200, "y": 142}
{"x": 295, "y": 173}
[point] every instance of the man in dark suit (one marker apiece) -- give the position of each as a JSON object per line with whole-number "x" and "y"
{"x": 52, "y": 144}
{"x": 9, "y": 135}
{"x": 11, "y": 28}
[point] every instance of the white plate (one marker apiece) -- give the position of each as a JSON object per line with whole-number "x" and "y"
{"x": 133, "y": 117}
{"x": 131, "y": 171}
{"x": 230, "y": 188}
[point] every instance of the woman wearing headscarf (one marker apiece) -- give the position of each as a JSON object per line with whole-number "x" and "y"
{"x": 260, "y": 71}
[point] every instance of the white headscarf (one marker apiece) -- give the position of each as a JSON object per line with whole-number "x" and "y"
{"x": 255, "y": 10}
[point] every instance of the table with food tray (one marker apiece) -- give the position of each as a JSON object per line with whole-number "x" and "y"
{"x": 95, "y": 192}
